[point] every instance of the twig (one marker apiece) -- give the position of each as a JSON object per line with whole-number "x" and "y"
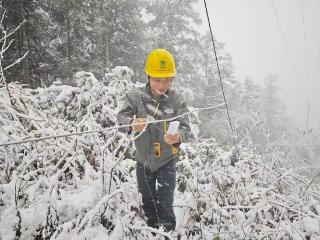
{"x": 150, "y": 229}
{"x": 106, "y": 129}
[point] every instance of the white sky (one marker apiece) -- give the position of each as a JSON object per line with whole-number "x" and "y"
{"x": 252, "y": 36}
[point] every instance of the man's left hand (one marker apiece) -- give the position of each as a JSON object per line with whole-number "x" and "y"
{"x": 172, "y": 139}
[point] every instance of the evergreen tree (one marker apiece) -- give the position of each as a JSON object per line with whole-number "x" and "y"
{"x": 64, "y": 37}
{"x": 17, "y": 12}
{"x": 216, "y": 123}
{"x": 273, "y": 109}
{"x": 251, "y": 96}
{"x": 172, "y": 25}
{"x": 123, "y": 40}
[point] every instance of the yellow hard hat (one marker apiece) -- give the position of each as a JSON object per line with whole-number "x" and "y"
{"x": 160, "y": 63}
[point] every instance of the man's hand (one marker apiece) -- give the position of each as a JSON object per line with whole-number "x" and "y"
{"x": 172, "y": 139}
{"x": 140, "y": 127}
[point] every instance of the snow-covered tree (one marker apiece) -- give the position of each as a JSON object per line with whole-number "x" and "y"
{"x": 17, "y": 12}
{"x": 66, "y": 172}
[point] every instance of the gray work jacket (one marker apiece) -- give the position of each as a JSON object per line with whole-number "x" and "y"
{"x": 140, "y": 102}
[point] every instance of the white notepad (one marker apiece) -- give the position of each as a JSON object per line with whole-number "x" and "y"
{"x": 173, "y": 127}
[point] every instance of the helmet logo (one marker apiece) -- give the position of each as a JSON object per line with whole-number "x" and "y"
{"x": 162, "y": 64}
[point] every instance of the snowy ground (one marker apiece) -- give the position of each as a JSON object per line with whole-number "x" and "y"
{"x": 59, "y": 188}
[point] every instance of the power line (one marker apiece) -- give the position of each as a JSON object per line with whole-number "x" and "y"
{"x": 105, "y": 129}
{"x": 283, "y": 37}
{"x": 218, "y": 67}
{"x": 308, "y": 115}
{"x": 304, "y": 41}
{"x": 287, "y": 47}
{"x": 318, "y": 65}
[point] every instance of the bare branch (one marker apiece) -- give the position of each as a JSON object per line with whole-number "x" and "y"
{"x": 16, "y": 29}
{"x": 16, "y": 62}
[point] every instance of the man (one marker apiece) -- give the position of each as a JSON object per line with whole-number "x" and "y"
{"x": 156, "y": 151}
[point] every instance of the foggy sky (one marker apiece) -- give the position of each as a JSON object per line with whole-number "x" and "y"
{"x": 252, "y": 35}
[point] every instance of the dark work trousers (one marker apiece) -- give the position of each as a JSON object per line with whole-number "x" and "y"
{"x": 157, "y": 190}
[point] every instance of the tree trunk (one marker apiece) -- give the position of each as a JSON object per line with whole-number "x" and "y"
{"x": 27, "y": 60}
{"x": 105, "y": 36}
{"x": 69, "y": 50}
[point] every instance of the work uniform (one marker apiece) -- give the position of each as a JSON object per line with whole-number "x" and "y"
{"x": 156, "y": 171}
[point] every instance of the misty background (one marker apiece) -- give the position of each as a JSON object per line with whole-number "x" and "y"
{"x": 66, "y": 172}
{"x": 274, "y": 37}
{"x": 268, "y": 53}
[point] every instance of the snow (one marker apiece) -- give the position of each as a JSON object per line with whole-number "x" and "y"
{"x": 311, "y": 225}
{"x": 85, "y": 80}
{"x": 62, "y": 184}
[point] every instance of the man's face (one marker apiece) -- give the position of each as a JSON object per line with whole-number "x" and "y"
{"x": 160, "y": 85}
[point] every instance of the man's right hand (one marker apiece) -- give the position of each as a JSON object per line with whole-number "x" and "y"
{"x": 140, "y": 127}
